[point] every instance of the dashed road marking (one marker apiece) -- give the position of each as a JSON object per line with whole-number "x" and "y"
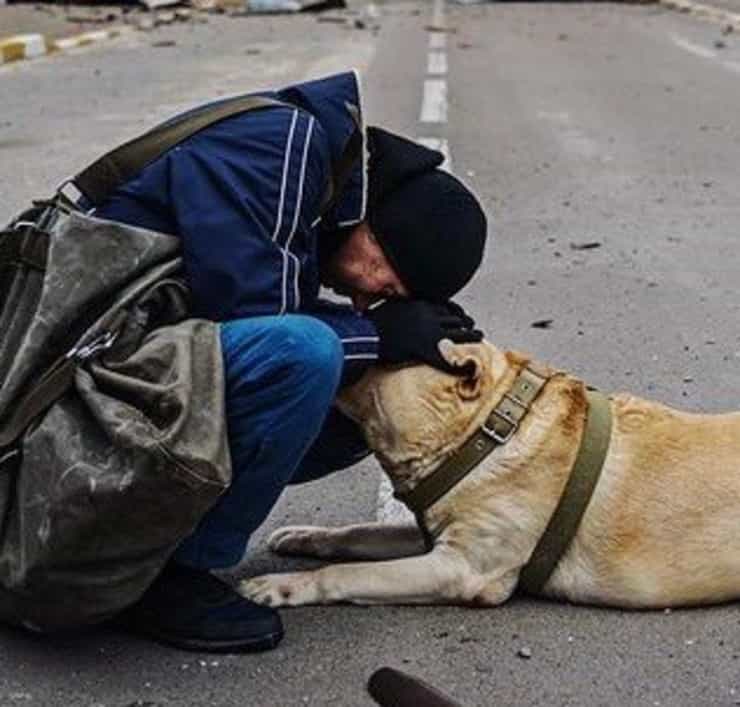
{"x": 437, "y": 40}
{"x": 433, "y": 110}
{"x": 438, "y": 13}
{"x": 437, "y": 63}
{"x": 434, "y": 104}
{"x": 441, "y": 144}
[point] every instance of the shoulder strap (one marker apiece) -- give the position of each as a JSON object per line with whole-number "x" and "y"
{"x": 341, "y": 170}
{"x": 99, "y": 180}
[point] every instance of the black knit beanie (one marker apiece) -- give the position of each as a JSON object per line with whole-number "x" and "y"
{"x": 430, "y": 226}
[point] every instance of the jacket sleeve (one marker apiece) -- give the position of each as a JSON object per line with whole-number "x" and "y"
{"x": 244, "y": 195}
{"x": 358, "y": 336}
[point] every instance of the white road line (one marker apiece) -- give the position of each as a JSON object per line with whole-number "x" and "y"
{"x": 703, "y": 52}
{"x": 433, "y": 110}
{"x": 434, "y": 104}
{"x": 696, "y": 49}
{"x": 437, "y": 64}
{"x": 438, "y": 14}
{"x": 435, "y": 143}
{"x": 389, "y": 509}
{"x": 437, "y": 40}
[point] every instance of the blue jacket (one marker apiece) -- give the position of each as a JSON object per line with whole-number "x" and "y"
{"x": 244, "y": 195}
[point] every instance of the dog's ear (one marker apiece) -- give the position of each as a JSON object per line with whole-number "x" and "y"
{"x": 470, "y": 360}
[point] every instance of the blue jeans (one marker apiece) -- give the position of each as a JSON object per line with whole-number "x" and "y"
{"x": 282, "y": 374}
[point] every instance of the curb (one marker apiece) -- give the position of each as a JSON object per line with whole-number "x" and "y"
{"x": 707, "y": 12}
{"x": 31, "y": 46}
{"x": 23, "y": 46}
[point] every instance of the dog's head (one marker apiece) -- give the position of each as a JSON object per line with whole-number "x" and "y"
{"x": 413, "y": 416}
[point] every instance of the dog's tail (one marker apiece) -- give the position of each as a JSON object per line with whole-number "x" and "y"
{"x": 392, "y": 688}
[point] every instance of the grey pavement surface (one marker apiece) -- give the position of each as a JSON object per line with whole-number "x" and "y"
{"x": 577, "y": 124}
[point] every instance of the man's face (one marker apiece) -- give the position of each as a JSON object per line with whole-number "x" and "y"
{"x": 359, "y": 270}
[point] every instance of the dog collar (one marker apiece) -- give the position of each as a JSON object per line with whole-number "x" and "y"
{"x": 499, "y": 427}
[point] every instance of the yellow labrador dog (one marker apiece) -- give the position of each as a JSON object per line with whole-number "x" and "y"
{"x": 661, "y": 529}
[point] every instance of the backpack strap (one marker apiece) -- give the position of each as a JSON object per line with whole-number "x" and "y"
{"x": 24, "y": 247}
{"x": 96, "y": 183}
{"x": 341, "y": 169}
{"x": 100, "y": 179}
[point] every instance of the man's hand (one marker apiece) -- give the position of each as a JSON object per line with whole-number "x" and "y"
{"x": 410, "y": 330}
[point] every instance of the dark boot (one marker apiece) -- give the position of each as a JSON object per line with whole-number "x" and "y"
{"x": 194, "y": 610}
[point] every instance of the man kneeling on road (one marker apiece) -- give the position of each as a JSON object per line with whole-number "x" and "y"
{"x": 247, "y": 196}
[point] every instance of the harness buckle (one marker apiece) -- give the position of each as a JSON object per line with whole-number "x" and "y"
{"x": 494, "y": 435}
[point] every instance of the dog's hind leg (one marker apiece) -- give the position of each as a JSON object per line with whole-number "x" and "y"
{"x": 367, "y": 541}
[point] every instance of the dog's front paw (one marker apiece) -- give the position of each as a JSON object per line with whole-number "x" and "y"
{"x": 303, "y": 540}
{"x": 290, "y": 589}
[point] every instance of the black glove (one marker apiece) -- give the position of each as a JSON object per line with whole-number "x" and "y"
{"x": 410, "y": 330}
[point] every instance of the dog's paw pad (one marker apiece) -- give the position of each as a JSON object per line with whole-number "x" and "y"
{"x": 279, "y": 589}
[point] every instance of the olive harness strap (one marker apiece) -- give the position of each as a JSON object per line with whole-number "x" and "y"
{"x": 500, "y": 426}
{"x": 577, "y": 493}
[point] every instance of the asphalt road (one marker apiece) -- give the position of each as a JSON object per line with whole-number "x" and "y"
{"x": 605, "y": 143}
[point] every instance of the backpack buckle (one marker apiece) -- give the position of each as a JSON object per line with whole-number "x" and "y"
{"x": 100, "y": 343}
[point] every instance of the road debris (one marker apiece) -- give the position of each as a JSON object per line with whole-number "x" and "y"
{"x": 291, "y": 6}
{"x": 144, "y": 24}
{"x": 440, "y": 28}
{"x": 542, "y": 324}
{"x": 153, "y": 4}
{"x": 589, "y": 245}
{"x": 93, "y": 17}
{"x": 146, "y": 15}
{"x": 273, "y": 6}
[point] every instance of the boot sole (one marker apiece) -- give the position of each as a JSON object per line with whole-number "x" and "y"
{"x": 202, "y": 645}
{"x": 257, "y": 645}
